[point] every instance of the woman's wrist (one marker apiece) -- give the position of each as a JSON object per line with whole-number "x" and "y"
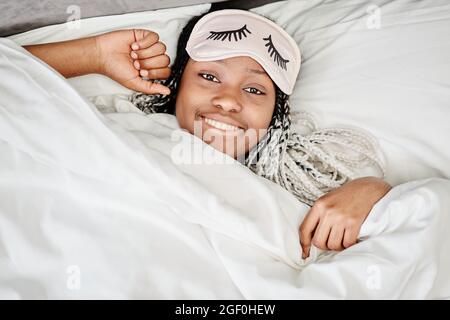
{"x": 98, "y": 62}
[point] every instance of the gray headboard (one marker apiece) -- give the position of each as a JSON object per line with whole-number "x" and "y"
{"x": 23, "y": 15}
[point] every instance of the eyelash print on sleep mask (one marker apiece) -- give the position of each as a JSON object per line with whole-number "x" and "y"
{"x": 231, "y": 33}
{"x": 222, "y": 35}
{"x": 276, "y": 55}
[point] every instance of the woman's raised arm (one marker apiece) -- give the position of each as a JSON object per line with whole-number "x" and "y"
{"x": 123, "y": 55}
{"x": 70, "y": 58}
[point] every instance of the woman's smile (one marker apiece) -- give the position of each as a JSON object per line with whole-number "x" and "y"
{"x": 212, "y": 126}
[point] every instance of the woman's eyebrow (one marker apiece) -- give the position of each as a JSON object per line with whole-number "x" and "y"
{"x": 256, "y": 71}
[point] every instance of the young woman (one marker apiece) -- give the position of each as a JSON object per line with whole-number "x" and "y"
{"x": 229, "y": 85}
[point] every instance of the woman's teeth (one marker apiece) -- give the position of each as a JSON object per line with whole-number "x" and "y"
{"x": 221, "y": 125}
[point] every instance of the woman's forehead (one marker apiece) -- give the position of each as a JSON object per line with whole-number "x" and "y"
{"x": 246, "y": 64}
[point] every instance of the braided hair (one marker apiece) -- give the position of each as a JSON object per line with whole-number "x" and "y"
{"x": 307, "y": 165}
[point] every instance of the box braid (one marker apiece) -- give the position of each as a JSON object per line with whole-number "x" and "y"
{"x": 308, "y": 165}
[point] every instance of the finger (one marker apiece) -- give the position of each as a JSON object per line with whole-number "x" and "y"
{"x": 336, "y": 238}
{"x": 161, "y": 61}
{"x": 321, "y": 235}
{"x": 148, "y": 87}
{"x": 162, "y": 73}
{"x": 137, "y": 65}
{"x": 157, "y": 49}
{"x": 307, "y": 228}
{"x": 350, "y": 237}
{"x": 144, "y": 39}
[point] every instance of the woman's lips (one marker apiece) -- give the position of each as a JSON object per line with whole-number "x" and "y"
{"x": 222, "y": 119}
{"x": 219, "y": 125}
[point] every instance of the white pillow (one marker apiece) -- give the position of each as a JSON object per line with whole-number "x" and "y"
{"x": 393, "y": 81}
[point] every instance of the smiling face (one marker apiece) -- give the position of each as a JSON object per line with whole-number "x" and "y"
{"x": 227, "y": 103}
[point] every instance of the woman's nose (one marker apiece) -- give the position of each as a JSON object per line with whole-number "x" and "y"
{"x": 228, "y": 101}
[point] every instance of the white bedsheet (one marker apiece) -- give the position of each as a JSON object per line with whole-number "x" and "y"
{"x": 91, "y": 206}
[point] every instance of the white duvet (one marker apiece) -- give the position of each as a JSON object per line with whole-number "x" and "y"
{"x": 92, "y": 205}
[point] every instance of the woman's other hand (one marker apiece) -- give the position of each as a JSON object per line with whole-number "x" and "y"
{"x": 127, "y": 55}
{"x": 335, "y": 219}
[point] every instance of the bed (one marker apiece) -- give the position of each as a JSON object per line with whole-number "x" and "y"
{"x": 91, "y": 205}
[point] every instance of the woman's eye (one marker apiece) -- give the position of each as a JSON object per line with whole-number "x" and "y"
{"x": 254, "y": 91}
{"x": 209, "y": 77}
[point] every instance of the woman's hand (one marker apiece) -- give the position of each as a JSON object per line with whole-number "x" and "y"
{"x": 126, "y": 55}
{"x": 334, "y": 221}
